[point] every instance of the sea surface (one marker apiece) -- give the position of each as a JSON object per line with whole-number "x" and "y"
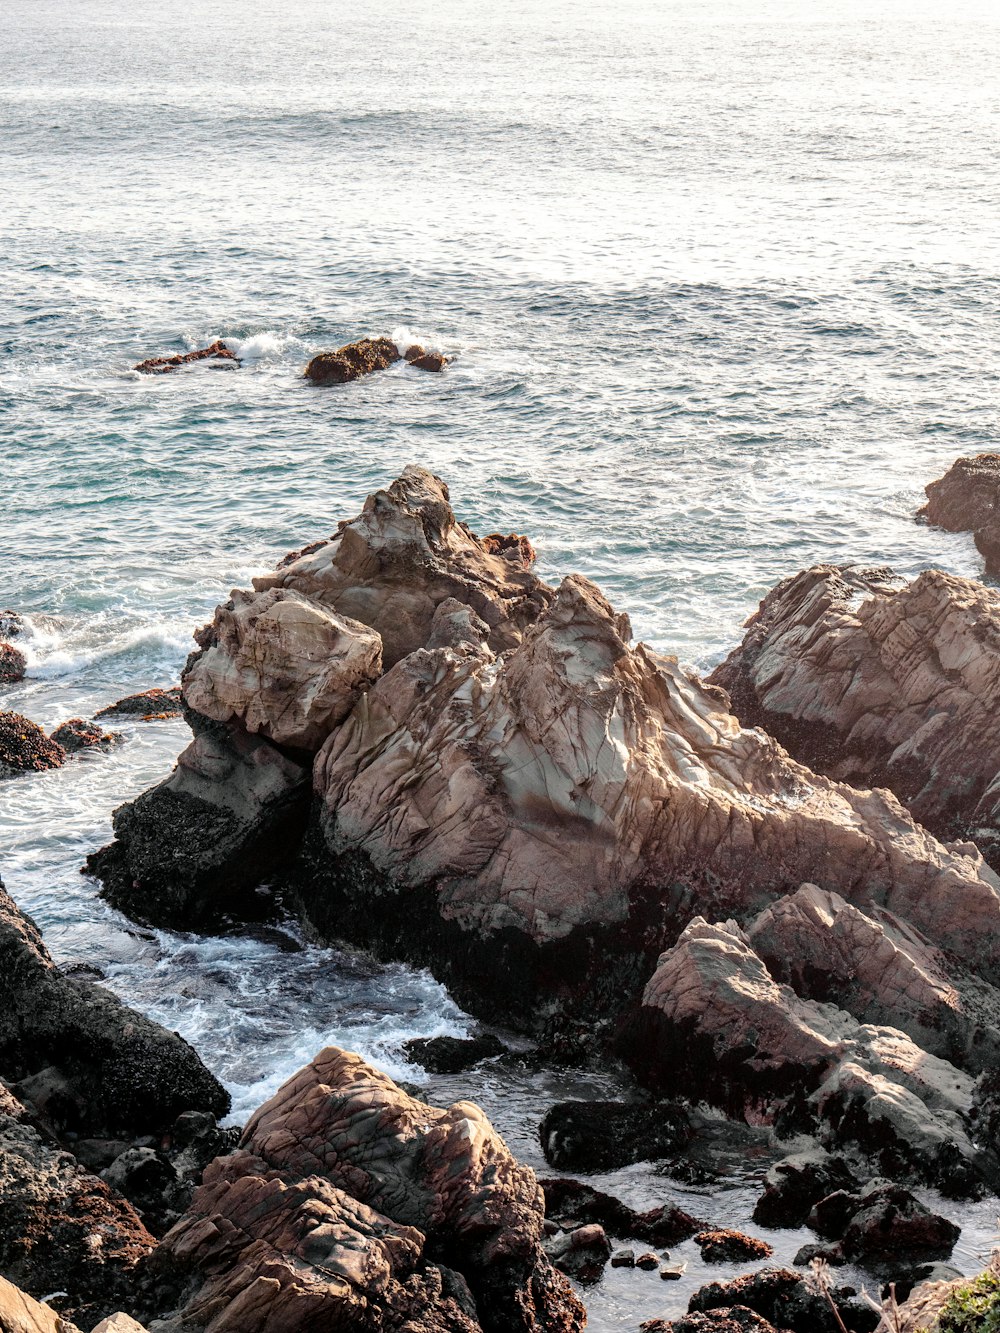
{"x": 720, "y": 282}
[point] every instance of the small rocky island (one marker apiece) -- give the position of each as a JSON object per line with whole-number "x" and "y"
{"x": 772, "y": 892}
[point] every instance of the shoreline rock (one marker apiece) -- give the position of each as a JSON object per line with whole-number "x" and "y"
{"x": 162, "y": 365}
{"x": 25, "y": 748}
{"x": 352, "y": 361}
{"x": 967, "y": 499}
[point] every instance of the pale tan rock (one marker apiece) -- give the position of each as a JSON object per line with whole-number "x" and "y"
{"x": 541, "y": 790}
{"x": 883, "y": 685}
{"x": 401, "y": 557}
{"x": 288, "y": 668}
{"x": 21, "y": 1313}
{"x": 324, "y": 1216}
{"x": 119, "y": 1323}
{"x": 880, "y": 970}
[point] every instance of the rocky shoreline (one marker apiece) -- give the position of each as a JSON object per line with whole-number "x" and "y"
{"x": 772, "y": 893}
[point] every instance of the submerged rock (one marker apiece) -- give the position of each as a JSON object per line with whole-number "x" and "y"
{"x": 77, "y": 734}
{"x": 13, "y": 664}
{"x": 25, "y": 748}
{"x": 341, "y": 1206}
{"x": 967, "y": 499}
{"x": 452, "y": 1055}
{"x": 352, "y": 361}
{"x": 160, "y": 365}
{"x": 883, "y": 684}
{"x": 149, "y": 704}
{"x": 604, "y": 1135}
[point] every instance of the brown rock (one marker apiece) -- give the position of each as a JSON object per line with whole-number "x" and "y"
{"x": 512, "y": 546}
{"x": 883, "y": 1222}
{"x": 148, "y": 705}
{"x": 13, "y": 664}
{"x": 160, "y": 365}
{"x": 78, "y": 734}
{"x": 352, "y": 361}
{"x": 736, "y": 1319}
{"x": 731, "y": 1247}
{"x": 883, "y": 685}
{"x": 967, "y": 499}
{"x": 343, "y": 1188}
{"x": 25, "y": 748}
{"x": 427, "y": 360}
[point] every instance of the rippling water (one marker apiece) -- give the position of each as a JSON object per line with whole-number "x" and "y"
{"x": 721, "y": 284}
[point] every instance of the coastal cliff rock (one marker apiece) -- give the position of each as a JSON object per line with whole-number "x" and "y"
{"x": 108, "y": 1067}
{"x": 352, "y": 361}
{"x": 714, "y": 1017}
{"x": 883, "y": 684}
{"x": 967, "y": 499}
{"x": 351, "y": 1205}
{"x": 161, "y": 365}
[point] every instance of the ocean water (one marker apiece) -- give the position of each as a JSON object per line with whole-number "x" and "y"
{"x": 720, "y": 279}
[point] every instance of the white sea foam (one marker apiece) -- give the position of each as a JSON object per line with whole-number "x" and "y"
{"x": 268, "y": 345}
{"x": 51, "y": 655}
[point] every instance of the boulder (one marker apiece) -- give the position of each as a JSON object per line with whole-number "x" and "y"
{"x": 289, "y": 669}
{"x": 147, "y": 705}
{"x": 883, "y": 683}
{"x": 421, "y": 359}
{"x": 883, "y": 1223}
{"x": 63, "y": 1230}
{"x": 731, "y": 1247}
{"x": 119, "y": 1323}
{"x": 13, "y": 664}
{"x": 25, "y": 748}
{"x": 351, "y": 1204}
{"x": 604, "y": 1135}
{"x": 572, "y": 1203}
{"x": 581, "y": 1253}
{"x": 77, "y": 735}
{"x": 881, "y": 970}
{"x": 452, "y": 1055}
{"x": 352, "y": 361}
{"x": 967, "y": 499}
{"x": 735, "y": 1319}
{"x": 160, "y": 365}
{"x": 785, "y": 1299}
{"x": 94, "y": 1064}
{"x": 797, "y": 1182}
{"x": 714, "y": 1018}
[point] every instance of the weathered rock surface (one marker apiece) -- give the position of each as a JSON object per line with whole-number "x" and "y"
{"x": 13, "y": 664}
{"x": 881, "y": 970}
{"x": 154, "y": 703}
{"x": 604, "y": 1135}
{"x": 421, "y": 359}
{"x": 967, "y": 499}
{"x": 25, "y": 748}
{"x": 798, "y": 1182}
{"x": 786, "y": 1300}
{"x": 883, "y": 685}
{"x": 714, "y": 1016}
{"x": 105, "y": 1067}
{"x": 61, "y": 1229}
{"x": 350, "y": 1204}
{"x": 724, "y": 1246}
{"x": 451, "y": 1055}
{"x": 735, "y": 1319}
{"x": 352, "y": 361}
{"x": 882, "y": 1222}
{"x": 581, "y": 1253}
{"x": 21, "y": 1313}
{"x": 77, "y": 734}
{"x": 161, "y": 365}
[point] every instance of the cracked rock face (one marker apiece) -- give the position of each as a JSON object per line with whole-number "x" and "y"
{"x": 351, "y": 1205}
{"x": 883, "y": 684}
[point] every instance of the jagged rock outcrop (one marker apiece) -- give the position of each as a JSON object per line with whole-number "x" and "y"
{"x": 61, "y": 1229}
{"x": 796, "y": 1183}
{"x": 352, "y": 361}
{"x": 161, "y": 365}
{"x": 714, "y": 1018}
{"x": 787, "y": 1300}
{"x": 882, "y": 1222}
{"x": 25, "y": 748}
{"x": 351, "y": 1205}
{"x": 421, "y": 359}
{"x": 883, "y": 684}
{"x": 967, "y": 499}
{"x": 881, "y": 970}
{"x": 98, "y": 1065}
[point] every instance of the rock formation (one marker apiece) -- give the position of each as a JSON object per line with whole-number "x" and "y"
{"x": 154, "y": 703}
{"x": 421, "y": 359}
{"x": 967, "y": 499}
{"x": 350, "y": 1204}
{"x": 77, "y": 734}
{"x": 25, "y": 748}
{"x": 786, "y": 1300}
{"x": 13, "y": 664}
{"x": 883, "y": 684}
{"x": 352, "y": 361}
{"x": 161, "y": 365}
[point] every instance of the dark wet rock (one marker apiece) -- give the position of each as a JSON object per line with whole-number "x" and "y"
{"x": 623, "y": 1259}
{"x": 63, "y": 1230}
{"x": 25, "y": 748}
{"x": 725, "y": 1247}
{"x": 967, "y": 499}
{"x": 908, "y": 1277}
{"x": 581, "y": 1253}
{"x": 736, "y": 1319}
{"x": 11, "y": 625}
{"x": 352, "y": 361}
{"x": 572, "y": 1203}
{"x": 452, "y": 1055}
{"x": 429, "y": 361}
{"x": 883, "y": 683}
{"x": 786, "y": 1300}
{"x": 796, "y": 1183}
{"x": 77, "y": 735}
{"x": 883, "y": 1222}
{"x": 604, "y": 1135}
{"x": 341, "y": 1205}
{"x": 13, "y": 664}
{"x": 94, "y": 1064}
{"x": 151, "y": 1184}
{"x": 648, "y": 1262}
{"x": 149, "y": 704}
{"x": 160, "y": 365}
